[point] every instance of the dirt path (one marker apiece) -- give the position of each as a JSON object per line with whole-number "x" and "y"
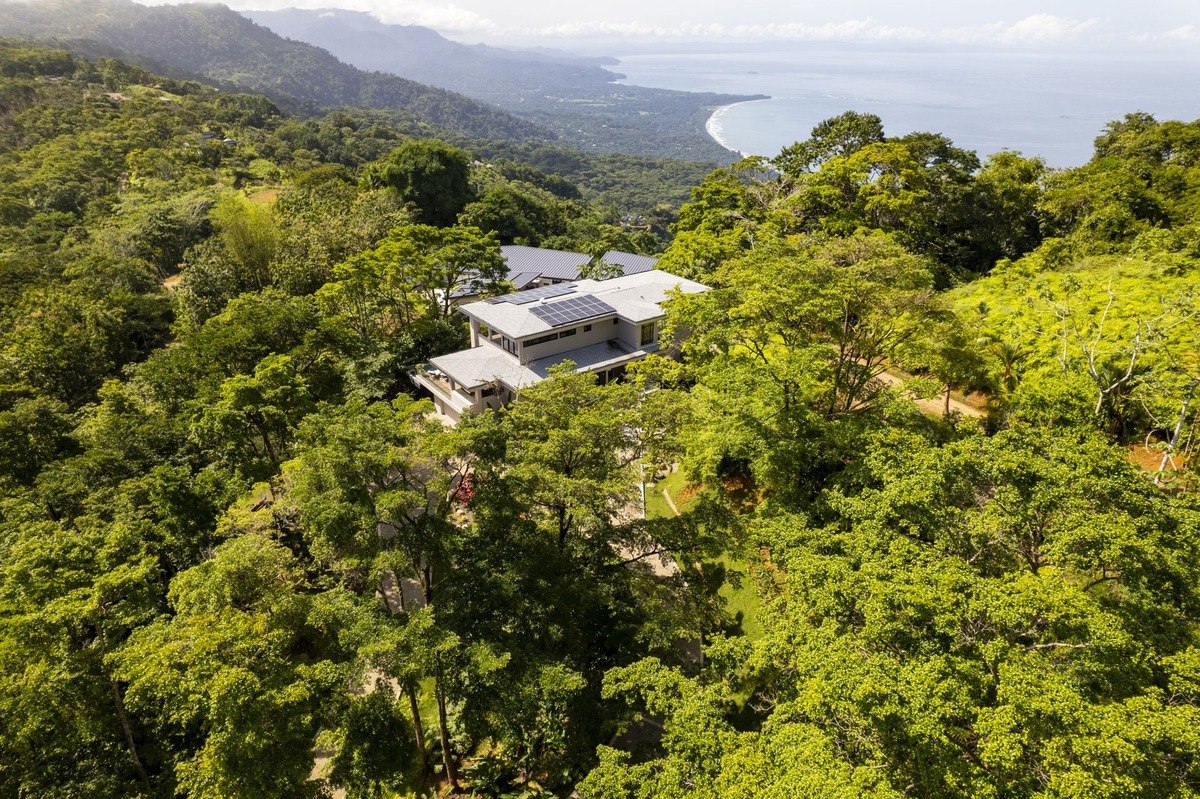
{"x": 934, "y": 406}
{"x": 671, "y": 502}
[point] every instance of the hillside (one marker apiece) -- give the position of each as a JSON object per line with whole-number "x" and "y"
{"x": 217, "y": 43}
{"x": 575, "y": 97}
{"x": 411, "y": 50}
{"x": 215, "y": 472}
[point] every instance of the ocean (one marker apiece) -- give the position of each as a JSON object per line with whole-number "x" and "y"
{"x": 1050, "y": 105}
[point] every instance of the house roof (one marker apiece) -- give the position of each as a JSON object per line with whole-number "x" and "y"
{"x": 631, "y": 263}
{"x": 527, "y": 264}
{"x": 635, "y": 298}
{"x": 552, "y": 264}
{"x": 593, "y": 356}
{"x": 522, "y": 279}
{"x": 485, "y": 364}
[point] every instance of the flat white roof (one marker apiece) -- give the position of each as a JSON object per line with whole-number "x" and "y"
{"x": 592, "y": 356}
{"x": 636, "y": 298}
{"x": 485, "y": 364}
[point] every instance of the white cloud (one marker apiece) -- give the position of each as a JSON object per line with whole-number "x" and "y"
{"x": 1187, "y": 33}
{"x": 1037, "y": 29}
{"x": 444, "y": 17}
{"x": 1047, "y": 29}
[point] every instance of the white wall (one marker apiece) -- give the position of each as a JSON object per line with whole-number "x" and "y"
{"x": 602, "y": 330}
{"x": 631, "y": 334}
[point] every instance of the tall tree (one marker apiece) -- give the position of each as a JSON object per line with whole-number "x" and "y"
{"x": 432, "y": 175}
{"x": 237, "y": 677}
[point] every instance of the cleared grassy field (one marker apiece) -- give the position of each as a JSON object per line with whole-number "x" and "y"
{"x": 741, "y": 599}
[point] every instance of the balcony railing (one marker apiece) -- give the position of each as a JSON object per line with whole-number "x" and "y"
{"x": 433, "y": 379}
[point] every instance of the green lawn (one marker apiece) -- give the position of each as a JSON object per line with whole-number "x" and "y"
{"x": 741, "y": 599}
{"x": 656, "y": 505}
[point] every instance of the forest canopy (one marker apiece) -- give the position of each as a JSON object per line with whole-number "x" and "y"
{"x": 911, "y": 512}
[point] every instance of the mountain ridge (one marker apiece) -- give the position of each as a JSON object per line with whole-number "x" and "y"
{"x": 215, "y": 42}
{"x": 575, "y": 96}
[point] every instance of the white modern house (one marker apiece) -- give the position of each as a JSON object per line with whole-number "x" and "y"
{"x": 600, "y": 325}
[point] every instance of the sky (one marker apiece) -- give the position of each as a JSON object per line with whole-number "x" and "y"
{"x": 1148, "y": 24}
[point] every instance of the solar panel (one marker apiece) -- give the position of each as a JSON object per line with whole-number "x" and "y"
{"x": 533, "y": 295}
{"x": 574, "y": 309}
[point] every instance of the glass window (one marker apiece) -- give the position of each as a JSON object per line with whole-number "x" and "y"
{"x": 541, "y": 339}
{"x": 565, "y": 333}
{"x": 647, "y": 333}
{"x": 587, "y": 328}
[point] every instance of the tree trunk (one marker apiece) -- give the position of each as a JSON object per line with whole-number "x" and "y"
{"x": 444, "y": 732}
{"x": 946, "y": 406}
{"x": 418, "y": 730}
{"x": 122, "y": 715}
{"x": 260, "y": 424}
{"x": 119, "y": 704}
{"x": 1170, "y": 450}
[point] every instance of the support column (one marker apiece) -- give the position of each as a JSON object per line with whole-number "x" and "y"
{"x": 474, "y": 332}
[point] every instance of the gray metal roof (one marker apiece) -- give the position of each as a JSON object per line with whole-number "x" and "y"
{"x": 630, "y": 263}
{"x": 551, "y": 264}
{"x": 563, "y": 265}
{"x": 529, "y": 264}
{"x": 593, "y": 356}
{"x": 522, "y": 279}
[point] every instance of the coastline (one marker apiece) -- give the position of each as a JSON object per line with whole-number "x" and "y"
{"x": 715, "y": 130}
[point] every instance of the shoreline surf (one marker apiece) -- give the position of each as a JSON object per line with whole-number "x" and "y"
{"x": 1051, "y": 106}
{"x": 713, "y": 126}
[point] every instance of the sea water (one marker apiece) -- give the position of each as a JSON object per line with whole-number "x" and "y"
{"x": 1051, "y": 105}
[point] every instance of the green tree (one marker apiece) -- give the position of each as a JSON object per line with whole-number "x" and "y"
{"x": 432, "y": 175}
{"x": 237, "y": 676}
{"x": 932, "y": 634}
{"x": 571, "y": 445}
{"x": 251, "y": 237}
{"x": 371, "y": 745}
{"x": 34, "y": 433}
{"x": 253, "y": 415}
{"x": 374, "y": 490}
{"x": 836, "y": 137}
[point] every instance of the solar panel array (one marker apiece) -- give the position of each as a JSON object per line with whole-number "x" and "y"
{"x": 533, "y": 295}
{"x": 576, "y": 309}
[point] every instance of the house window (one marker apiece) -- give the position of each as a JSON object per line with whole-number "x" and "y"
{"x": 647, "y": 333}
{"x": 541, "y": 339}
{"x": 565, "y": 333}
{"x": 587, "y": 328}
{"x": 510, "y": 346}
{"x": 614, "y": 320}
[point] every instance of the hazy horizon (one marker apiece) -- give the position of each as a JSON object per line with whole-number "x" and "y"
{"x": 1048, "y": 24}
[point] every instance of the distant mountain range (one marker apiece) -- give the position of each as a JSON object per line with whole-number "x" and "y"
{"x": 216, "y": 43}
{"x": 574, "y": 96}
{"x": 424, "y": 55}
{"x": 478, "y": 91}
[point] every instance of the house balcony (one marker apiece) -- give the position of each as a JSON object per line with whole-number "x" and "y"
{"x": 448, "y": 397}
